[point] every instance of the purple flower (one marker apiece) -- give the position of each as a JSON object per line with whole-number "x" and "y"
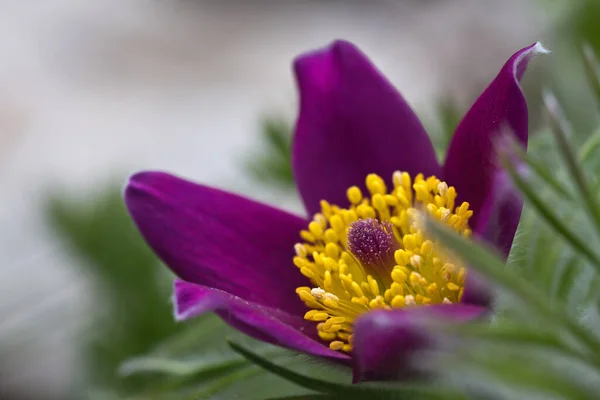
{"x": 353, "y": 283}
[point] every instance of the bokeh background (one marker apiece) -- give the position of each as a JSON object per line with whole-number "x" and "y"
{"x": 93, "y": 91}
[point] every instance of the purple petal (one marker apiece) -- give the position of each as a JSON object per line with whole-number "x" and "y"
{"x": 352, "y": 123}
{"x": 385, "y": 341}
{"x": 478, "y": 291}
{"x": 500, "y": 213}
{"x": 471, "y": 162}
{"x": 218, "y": 239}
{"x": 268, "y": 324}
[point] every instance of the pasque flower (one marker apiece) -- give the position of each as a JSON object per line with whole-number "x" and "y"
{"x": 351, "y": 282}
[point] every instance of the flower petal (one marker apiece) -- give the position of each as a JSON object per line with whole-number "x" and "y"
{"x": 478, "y": 291}
{"x": 385, "y": 341}
{"x": 352, "y": 123}
{"x": 470, "y": 163}
{"x": 263, "y": 323}
{"x": 500, "y": 213}
{"x": 218, "y": 239}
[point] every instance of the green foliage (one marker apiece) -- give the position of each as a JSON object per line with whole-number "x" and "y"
{"x": 274, "y": 166}
{"x": 130, "y": 293}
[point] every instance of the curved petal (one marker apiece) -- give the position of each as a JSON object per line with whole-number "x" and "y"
{"x": 263, "y": 323}
{"x": 352, "y": 123}
{"x": 385, "y": 341}
{"x": 218, "y": 239}
{"x": 471, "y": 162}
{"x": 500, "y": 213}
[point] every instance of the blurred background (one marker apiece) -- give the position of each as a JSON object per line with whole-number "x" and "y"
{"x": 91, "y": 92}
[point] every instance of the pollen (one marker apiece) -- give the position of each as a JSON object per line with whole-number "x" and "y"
{"x": 375, "y": 254}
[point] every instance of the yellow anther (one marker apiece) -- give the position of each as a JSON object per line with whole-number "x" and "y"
{"x": 402, "y": 257}
{"x": 409, "y": 242}
{"x": 332, "y": 328}
{"x": 453, "y": 286}
{"x": 336, "y": 320}
{"x": 336, "y": 345}
{"x": 379, "y": 202}
{"x": 399, "y": 302}
{"x": 327, "y": 281}
{"x": 410, "y": 300}
{"x": 332, "y": 250}
{"x": 354, "y": 195}
{"x": 331, "y": 236}
{"x": 307, "y": 236}
{"x": 337, "y": 224}
{"x": 327, "y": 336}
{"x": 300, "y": 262}
{"x": 377, "y": 302}
{"x": 396, "y": 289}
{"x": 316, "y": 229}
{"x": 331, "y": 303}
{"x": 390, "y": 200}
{"x": 364, "y": 211}
{"x": 330, "y": 264}
{"x": 375, "y": 184}
{"x": 306, "y": 297}
{"x": 326, "y": 208}
{"x": 399, "y": 276}
{"x": 427, "y": 248}
{"x": 318, "y": 258}
{"x": 309, "y": 315}
{"x": 317, "y": 316}
{"x": 357, "y": 289}
{"x": 432, "y": 289}
{"x": 373, "y": 286}
{"x": 307, "y": 272}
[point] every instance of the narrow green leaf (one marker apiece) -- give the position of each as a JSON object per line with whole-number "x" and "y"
{"x": 517, "y": 335}
{"x": 550, "y": 216}
{"x": 592, "y": 69}
{"x": 589, "y": 147}
{"x": 559, "y": 128}
{"x": 566, "y": 277}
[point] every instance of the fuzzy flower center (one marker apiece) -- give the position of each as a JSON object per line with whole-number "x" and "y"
{"x": 375, "y": 254}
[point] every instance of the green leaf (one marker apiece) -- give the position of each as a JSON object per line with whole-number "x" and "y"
{"x": 592, "y": 69}
{"x": 130, "y": 286}
{"x": 522, "y": 371}
{"x": 559, "y": 128}
{"x": 551, "y": 217}
{"x": 274, "y": 165}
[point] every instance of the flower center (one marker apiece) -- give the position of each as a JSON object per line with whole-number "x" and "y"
{"x": 375, "y": 254}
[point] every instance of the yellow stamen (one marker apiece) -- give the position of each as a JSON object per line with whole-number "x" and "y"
{"x": 385, "y": 262}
